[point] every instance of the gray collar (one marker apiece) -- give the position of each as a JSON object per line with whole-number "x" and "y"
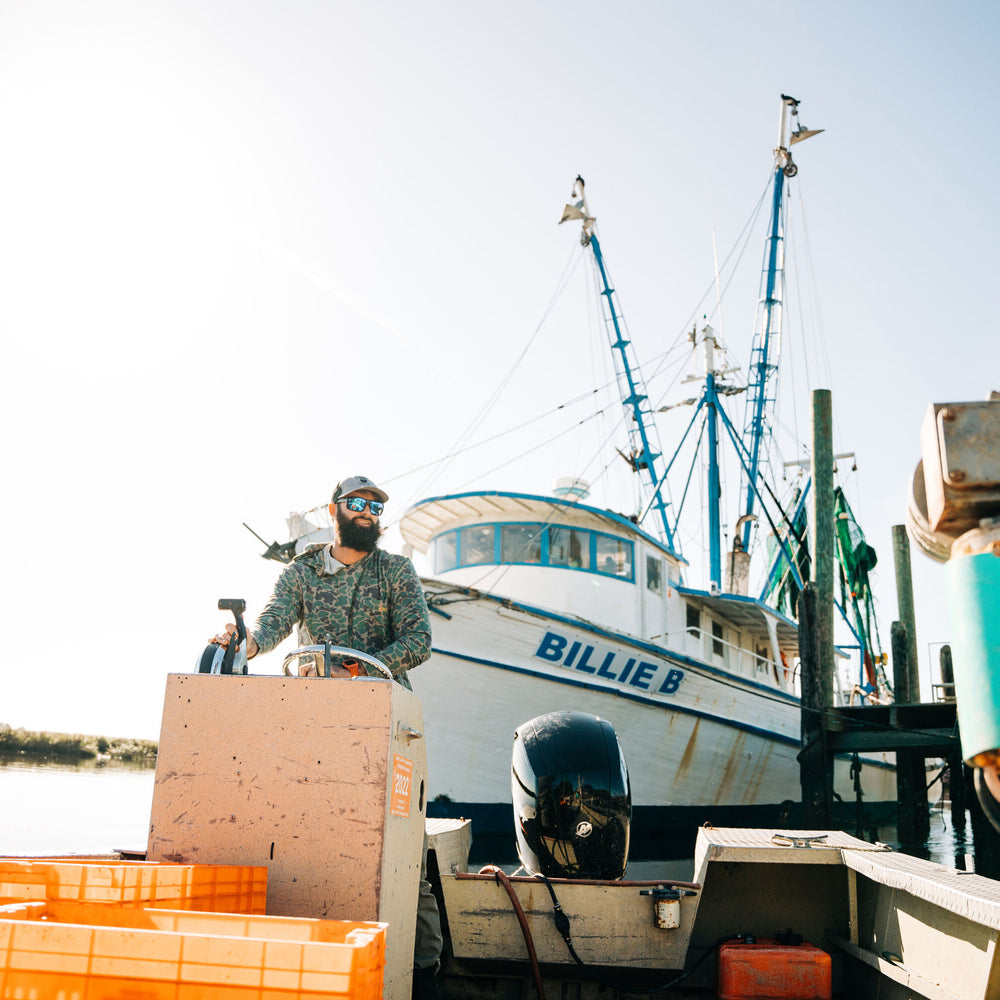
{"x": 331, "y": 565}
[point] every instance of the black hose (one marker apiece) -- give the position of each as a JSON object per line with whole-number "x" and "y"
{"x": 502, "y": 879}
{"x": 562, "y": 925}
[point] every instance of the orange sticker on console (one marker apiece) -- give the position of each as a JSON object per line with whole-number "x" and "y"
{"x": 402, "y": 776}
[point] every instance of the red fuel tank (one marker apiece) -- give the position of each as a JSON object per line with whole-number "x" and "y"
{"x": 765, "y": 969}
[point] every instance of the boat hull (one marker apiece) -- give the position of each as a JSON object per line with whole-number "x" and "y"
{"x": 702, "y": 743}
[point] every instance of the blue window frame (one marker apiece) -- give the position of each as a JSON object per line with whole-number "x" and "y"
{"x": 477, "y": 545}
{"x": 654, "y": 574}
{"x": 535, "y": 544}
{"x": 613, "y": 556}
{"x": 521, "y": 543}
{"x": 446, "y": 552}
{"x": 569, "y": 547}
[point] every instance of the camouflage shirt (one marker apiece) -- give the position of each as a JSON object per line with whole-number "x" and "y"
{"x": 375, "y": 605}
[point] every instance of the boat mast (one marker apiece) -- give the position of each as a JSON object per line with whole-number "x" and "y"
{"x": 766, "y": 349}
{"x": 714, "y": 486}
{"x": 644, "y": 453}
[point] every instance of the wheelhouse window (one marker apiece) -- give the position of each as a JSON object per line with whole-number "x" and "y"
{"x": 717, "y": 633}
{"x": 763, "y": 659}
{"x": 654, "y": 574}
{"x": 521, "y": 543}
{"x": 693, "y": 620}
{"x": 569, "y": 547}
{"x": 477, "y": 545}
{"x": 445, "y": 552}
{"x": 614, "y": 556}
{"x": 541, "y": 545}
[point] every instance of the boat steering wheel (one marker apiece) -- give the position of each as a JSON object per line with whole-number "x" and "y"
{"x": 327, "y": 651}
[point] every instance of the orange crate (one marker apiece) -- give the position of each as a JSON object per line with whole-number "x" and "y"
{"x": 222, "y": 888}
{"x": 88, "y": 951}
{"x": 764, "y": 969}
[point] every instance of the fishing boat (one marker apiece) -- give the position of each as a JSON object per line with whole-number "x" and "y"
{"x": 543, "y": 601}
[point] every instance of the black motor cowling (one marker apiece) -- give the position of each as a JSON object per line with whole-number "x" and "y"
{"x": 571, "y": 795}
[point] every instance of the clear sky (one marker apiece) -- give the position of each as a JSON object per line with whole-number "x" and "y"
{"x": 248, "y": 248}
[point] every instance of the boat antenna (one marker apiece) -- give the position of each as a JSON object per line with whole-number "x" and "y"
{"x": 718, "y": 282}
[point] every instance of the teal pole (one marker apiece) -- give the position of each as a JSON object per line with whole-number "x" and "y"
{"x": 973, "y": 584}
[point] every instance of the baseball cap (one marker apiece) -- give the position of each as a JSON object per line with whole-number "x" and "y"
{"x": 354, "y": 484}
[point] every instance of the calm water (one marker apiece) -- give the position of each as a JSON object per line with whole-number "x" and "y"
{"x": 73, "y": 808}
{"x": 90, "y": 808}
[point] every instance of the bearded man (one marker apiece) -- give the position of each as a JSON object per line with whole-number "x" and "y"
{"x": 354, "y": 594}
{"x": 349, "y": 593}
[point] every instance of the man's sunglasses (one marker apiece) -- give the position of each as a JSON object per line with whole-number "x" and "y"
{"x": 358, "y": 504}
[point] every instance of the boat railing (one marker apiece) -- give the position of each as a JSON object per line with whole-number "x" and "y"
{"x": 736, "y": 659}
{"x": 943, "y": 692}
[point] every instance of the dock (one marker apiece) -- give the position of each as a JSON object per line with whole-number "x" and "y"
{"x": 927, "y": 728}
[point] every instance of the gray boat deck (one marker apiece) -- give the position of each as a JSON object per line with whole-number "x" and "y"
{"x": 895, "y": 926}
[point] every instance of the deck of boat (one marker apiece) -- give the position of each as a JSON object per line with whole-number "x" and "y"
{"x": 895, "y": 926}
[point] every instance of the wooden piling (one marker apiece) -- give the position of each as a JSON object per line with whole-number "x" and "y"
{"x": 900, "y": 644}
{"x": 957, "y": 798}
{"x": 816, "y": 626}
{"x": 824, "y": 536}
{"x": 947, "y": 668}
{"x": 957, "y": 794}
{"x": 815, "y": 764}
{"x": 904, "y": 601}
{"x": 912, "y": 814}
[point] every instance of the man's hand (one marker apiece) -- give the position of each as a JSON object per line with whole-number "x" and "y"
{"x": 222, "y": 639}
{"x": 308, "y": 669}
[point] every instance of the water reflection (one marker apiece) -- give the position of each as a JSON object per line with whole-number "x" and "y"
{"x": 58, "y": 762}
{"x": 60, "y": 806}
{"x": 65, "y": 806}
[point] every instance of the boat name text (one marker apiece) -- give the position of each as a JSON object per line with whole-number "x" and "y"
{"x": 613, "y": 664}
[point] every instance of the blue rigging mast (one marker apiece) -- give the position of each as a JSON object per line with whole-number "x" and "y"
{"x": 644, "y": 450}
{"x": 753, "y": 446}
{"x": 766, "y": 350}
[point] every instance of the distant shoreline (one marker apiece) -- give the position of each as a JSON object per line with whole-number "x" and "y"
{"x": 27, "y": 743}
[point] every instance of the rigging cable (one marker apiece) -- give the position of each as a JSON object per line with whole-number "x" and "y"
{"x": 537, "y": 445}
{"x": 501, "y": 569}
{"x": 822, "y": 365}
{"x": 744, "y": 236}
{"x": 500, "y": 434}
{"x": 568, "y": 270}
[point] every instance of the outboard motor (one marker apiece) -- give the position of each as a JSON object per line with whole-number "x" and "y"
{"x": 571, "y": 795}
